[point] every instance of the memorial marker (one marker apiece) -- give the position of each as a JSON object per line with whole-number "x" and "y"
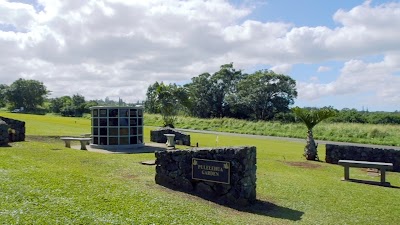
{"x": 211, "y": 170}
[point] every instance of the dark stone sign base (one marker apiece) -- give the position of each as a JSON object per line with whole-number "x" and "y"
{"x": 4, "y": 133}
{"x": 174, "y": 170}
{"x": 11, "y": 131}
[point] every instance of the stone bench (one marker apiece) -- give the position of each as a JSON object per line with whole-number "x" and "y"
{"x": 87, "y": 136}
{"x": 83, "y": 141}
{"x": 365, "y": 164}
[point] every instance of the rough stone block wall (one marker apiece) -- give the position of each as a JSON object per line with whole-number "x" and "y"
{"x": 336, "y": 152}
{"x": 174, "y": 170}
{"x": 18, "y": 129}
{"x": 158, "y": 136}
{"x": 3, "y": 133}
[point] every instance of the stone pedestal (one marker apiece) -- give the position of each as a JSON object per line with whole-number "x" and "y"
{"x": 159, "y": 137}
{"x": 170, "y": 140}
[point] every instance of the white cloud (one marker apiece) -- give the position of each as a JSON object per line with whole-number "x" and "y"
{"x": 282, "y": 69}
{"x": 357, "y": 77}
{"x": 118, "y": 47}
{"x": 322, "y": 69}
{"x": 114, "y": 47}
{"x": 21, "y": 16}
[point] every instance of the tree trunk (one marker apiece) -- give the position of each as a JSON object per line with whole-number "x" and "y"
{"x": 310, "y": 151}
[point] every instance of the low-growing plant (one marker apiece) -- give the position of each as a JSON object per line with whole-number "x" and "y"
{"x": 312, "y": 117}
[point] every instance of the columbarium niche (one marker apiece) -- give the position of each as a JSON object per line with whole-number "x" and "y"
{"x": 116, "y": 127}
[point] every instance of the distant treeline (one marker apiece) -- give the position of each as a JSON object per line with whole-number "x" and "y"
{"x": 261, "y": 96}
{"x": 354, "y": 116}
{"x": 30, "y": 96}
{"x": 348, "y": 116}
{"x": 351, "y": 116}
{"x": 76, "y": 105}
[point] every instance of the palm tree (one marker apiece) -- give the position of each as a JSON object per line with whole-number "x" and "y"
{"x": 311, "y": 117}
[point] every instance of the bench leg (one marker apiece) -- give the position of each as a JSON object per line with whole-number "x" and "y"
{"x": 383, "y": 176}
{"x": 67, "y": 143}
{"x": 83, "y": 145}
{"x": 346, "y": 172}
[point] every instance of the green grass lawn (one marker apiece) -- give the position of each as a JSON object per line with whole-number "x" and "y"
{"x": 42, "y": 182}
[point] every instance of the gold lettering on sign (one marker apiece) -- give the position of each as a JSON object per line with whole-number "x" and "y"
{"x": 211, "y": 170}
{"x": 210, "y": 173}
{"x": 207, "y": 167}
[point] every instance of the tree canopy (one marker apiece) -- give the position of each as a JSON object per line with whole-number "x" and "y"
{"x": 264, "y": 94}
{"x": 26, "y": 93}
{"x": 230, "y": 93}
{"x": 71, "y": 106}
{"x": 167, "y": 100}
{"x": 3, "y": 89}
{"x": 311, "y": 117}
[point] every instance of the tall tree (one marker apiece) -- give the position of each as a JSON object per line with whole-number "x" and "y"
{"x": 224, "y": 83}
{"x": 26, "y": 93}
{"x": 170, "y": 99}
{"x": 62, "y": 105}
{"x": 56, "y": 104}
{"x": 265, "y": 93}
{"x": 150, "y": 104}
{"x": 209, "y": 93}
{"x": 67, "y": 108}
{"x": 3, "y": 89}
{"x": 311, "y": 117}
{"x": 200, "y": 94}
{"x": 78, "y": 102}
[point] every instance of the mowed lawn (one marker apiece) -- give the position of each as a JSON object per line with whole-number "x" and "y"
{"x": 42, "y": 182}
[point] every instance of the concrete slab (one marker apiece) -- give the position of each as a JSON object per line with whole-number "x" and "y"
{"x": 147, "y": 148}
{"x": 149, "y": 162}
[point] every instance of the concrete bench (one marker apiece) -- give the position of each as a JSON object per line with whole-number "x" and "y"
{"x": 83, "y": 141}
{"x": 87, "y": 136}
{"x": 365, "y": 164}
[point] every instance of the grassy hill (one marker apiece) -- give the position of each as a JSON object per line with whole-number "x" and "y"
{"x": 379, "y": 134}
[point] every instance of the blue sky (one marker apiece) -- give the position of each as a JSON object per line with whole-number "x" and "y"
{"x": 311, "y": 13}
{"x": 342, "y": 53}
{"x": 302, "y": 12}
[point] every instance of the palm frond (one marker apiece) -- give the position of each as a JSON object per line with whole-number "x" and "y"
{"x": 312, "y": 117}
